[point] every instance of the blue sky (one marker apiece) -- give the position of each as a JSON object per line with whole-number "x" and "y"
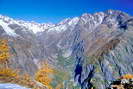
{"x": 57, "y": 10}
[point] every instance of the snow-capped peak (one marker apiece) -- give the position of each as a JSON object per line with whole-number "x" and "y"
{"x": 36, "y": 27}
{"x": 63, "y": 25}
{"x": 74, "y": 21}
{"x": 64, "y": 21}
{"x": 31, "y": 26}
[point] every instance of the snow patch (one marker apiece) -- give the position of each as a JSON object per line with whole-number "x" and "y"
{"x": 58, "y": 28}
{"x": 7, "y": 29}
{"x": 68, "y": 53}
{"x": 74, "y": 21}
{"x": 11, "y": 86}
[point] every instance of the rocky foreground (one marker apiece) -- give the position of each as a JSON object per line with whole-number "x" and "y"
{"x": 125, "y": 82}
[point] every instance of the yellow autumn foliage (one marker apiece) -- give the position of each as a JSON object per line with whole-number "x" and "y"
{"x": 26, "y": 80}
{"x": 4, "y": 57}
{"x": 4, "y": 51}
{"x": 43, "y": 75}
{"x": 8, "y": 74}
{"x": 127, "y": 76}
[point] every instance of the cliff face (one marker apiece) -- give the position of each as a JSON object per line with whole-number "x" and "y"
{"x": 94, "y": 49}
{"x": 108, "y": 50}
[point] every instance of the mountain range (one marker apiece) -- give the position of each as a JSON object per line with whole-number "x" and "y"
{"x": 91, "y": 50}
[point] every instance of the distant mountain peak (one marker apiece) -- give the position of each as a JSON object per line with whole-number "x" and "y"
{"x": 94, "y": 19}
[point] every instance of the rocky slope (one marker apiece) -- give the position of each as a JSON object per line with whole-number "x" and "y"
{"x": 94, "y": 49}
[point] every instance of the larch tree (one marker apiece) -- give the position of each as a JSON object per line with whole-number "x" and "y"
{"x": 6, "y": 73}
{"x": 127, "y": 76}
{"x": 4, "y": 52}
{"x": 44, "y": 75}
